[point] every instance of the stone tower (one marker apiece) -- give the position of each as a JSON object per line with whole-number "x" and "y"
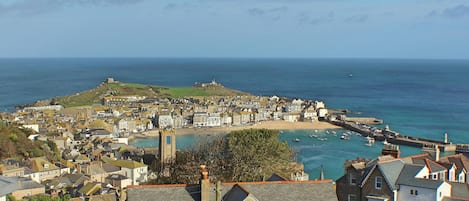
{"x": 167, "y": 146}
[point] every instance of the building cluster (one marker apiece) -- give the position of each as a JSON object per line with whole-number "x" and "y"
{"x": 273, "y": 189}
{"x": 426, "y": 176}
{"x": 125, "y": 115}
{"x": 98, "y": 170}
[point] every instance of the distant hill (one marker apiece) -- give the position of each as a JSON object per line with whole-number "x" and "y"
{"x": 95, "y": 96}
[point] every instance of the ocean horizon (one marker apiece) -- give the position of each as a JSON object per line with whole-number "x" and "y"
{"x": 417, "y": 97}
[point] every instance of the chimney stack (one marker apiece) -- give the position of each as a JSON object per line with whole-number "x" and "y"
{"x": 218, "y": 195}
{"x": 204, "y": 184}
{"x": 391, "y": 149}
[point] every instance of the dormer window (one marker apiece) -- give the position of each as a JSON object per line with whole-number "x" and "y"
{"x": 46, "y": 165}
{"x": 353, "y": 180}
{"x": 378, "y": 182}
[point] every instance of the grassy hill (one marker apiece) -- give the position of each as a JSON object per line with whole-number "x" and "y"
{"x": 14, "y": 143}
{"x": 95, "y": 96}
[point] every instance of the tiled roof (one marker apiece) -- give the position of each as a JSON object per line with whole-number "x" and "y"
{"x": 391, "y": 170}
{"x": 126, "y": 163}
{"x": 407, "y": 177}
{"x": 26, "y": 183}
{"x": 90, "y": 188}
{"x": 460, "y": 190}
{"x": 41, "y": 164}
{"x": 105, "y": 197}
{"x": 271, "y": 191}
{"x": 8, "y": 185}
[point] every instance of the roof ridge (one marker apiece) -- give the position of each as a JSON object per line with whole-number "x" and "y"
{"x": 230, "y": 183}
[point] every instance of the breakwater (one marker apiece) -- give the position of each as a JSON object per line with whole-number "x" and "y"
{"x": 389, "y": 135}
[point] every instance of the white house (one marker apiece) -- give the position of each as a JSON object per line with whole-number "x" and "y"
{"x": 165, "y": 121}
{"x": 128, "y": 125}
{"x": 214, "y": 120}
{"x": 414, "y": 184}
{"x": 200, "y": 119}
{"x": 137, "y": 172}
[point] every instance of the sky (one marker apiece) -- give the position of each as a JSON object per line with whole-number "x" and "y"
{"x": 431, "y": 29}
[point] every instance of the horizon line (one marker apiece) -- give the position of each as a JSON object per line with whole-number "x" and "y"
{"x": 177, "y": 57}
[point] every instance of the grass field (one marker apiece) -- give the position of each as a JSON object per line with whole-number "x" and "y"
{"x": 95, "y": 96}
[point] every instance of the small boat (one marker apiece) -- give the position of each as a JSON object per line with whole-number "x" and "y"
{"x": 333, "y": 132}
{"x": 369, "y": 144}
{"x": 322, "y": 139}
{"x": 313, "y": 135}
{"x": 385, "y": 142}
{"x": 316, "y": 131}
{"x": 296, "y": 140}
{"x": 327, "y": 131}
{"x": 345, "y": 137}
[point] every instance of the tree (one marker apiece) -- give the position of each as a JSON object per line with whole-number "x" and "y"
{"x": 246, "y": 155}
{"x": 257, "y": 153}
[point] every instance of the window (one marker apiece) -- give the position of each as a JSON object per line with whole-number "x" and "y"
{"x": 378, "y": 182}
{"x": 411, "y": 192}
{"x": 416, "y": 192}
{"x": 352, "y": 197}
{"x": 434, "y": 177}
{"x": 440, "y": 194}
{"x": 168, "y": 139}
{"x": 353, "y": 180}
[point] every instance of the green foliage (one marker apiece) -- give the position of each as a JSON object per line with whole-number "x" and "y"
{"x": 11, "y": 197}
{"x": 257, "y": 153}
{"x": 14, "y": 143}
{"x": 95, "y": 96}
{"x": 44, "y": 197}
{"x": 13, "y": 137}
{"x": 246, "y": 155}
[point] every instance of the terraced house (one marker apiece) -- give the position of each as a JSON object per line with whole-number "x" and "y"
{"x": 418, "y": 177}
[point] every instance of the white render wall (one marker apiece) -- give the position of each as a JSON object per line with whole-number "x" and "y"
{"x": 424, "y": 194}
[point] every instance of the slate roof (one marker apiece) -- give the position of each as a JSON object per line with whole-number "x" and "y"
{"x": 27, "y": 183}
{"x": 271, "y": 191}
{"x": 407, "y": 177}
{"x": 8, "y": 185}
{"x": 459, "y": 190}
{"x": 276, "y": 177}
{"x": 391, "y": 170}
{"x": 431, "y": 164}
{"x": 459, "y": 160}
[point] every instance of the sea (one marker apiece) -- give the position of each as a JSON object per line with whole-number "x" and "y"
{"x": 423, "y": 98}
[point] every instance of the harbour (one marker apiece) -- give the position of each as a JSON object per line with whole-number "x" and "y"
{"x": 389, "y": 135}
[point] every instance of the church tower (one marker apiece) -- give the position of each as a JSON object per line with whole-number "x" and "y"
{"x": 167, "y": 146}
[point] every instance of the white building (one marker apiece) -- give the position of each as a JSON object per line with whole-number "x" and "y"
{"x": 200, "y": 119}
{"x": 165, "y": 121}
{"x": 413, "y": 184}
{"x": 128, "y": 125}
{"x": 214, "y": 120}
{"x": 135, "y": 171}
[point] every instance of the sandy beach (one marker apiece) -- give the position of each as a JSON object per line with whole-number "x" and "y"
{"x": 276, "y": 125}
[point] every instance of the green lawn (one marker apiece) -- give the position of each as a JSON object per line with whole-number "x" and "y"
{"x": 94, "y": 96}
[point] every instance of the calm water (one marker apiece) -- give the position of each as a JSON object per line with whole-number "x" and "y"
{"x": 416, "y": 97}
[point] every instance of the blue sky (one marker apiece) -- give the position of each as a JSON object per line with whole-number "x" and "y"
{"x": 235, "y": 28}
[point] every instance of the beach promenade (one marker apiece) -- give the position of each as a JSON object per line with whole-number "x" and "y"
{"x": 275, "y": 125}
